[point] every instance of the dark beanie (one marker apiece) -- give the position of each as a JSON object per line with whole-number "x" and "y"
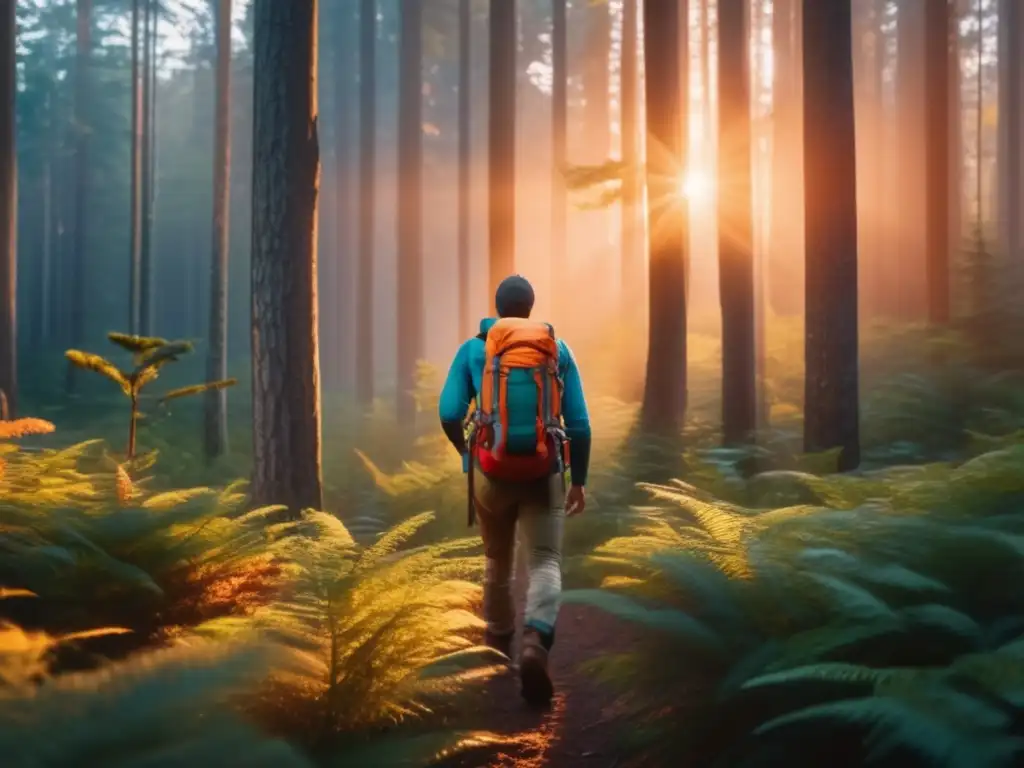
{"x": 514, "y": 297}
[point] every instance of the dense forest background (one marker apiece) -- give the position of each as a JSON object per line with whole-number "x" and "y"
{"x": 890, "y": 93}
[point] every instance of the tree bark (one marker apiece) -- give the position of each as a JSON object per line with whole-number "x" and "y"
{"x": 559, "y": 144}
{"x": 83, "y": 141}
{"x": 367, "y": 200}
{"x": 831, "y": 392}
{"x": 784, "y": 273}
{"x": 146, "y": 238}
{"x": 910, "y": 201}
{"x": 502, "y": 146}
{"x": 8, "y": 209}
{"x": 410, "y": 208}
{"x": 735, "y": 225}
{"x": 632, "y": 266}
{"x": 939, "y": 36}
{"x": 465, "y": 160}
{"x": 286, "y": 169}
{"x": 135, "y": 242}
{"x": 216, "y": 426}
{"x": 1011, "y": 95}
{"x": 664, "y": 400}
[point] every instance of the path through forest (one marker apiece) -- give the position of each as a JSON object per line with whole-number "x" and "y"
{"x": 580, "y": 728}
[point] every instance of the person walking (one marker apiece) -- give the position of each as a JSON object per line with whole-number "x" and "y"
{"x": 529, "y": 428}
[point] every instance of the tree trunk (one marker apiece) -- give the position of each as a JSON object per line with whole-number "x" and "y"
{"x": 410, "y": 208}
{"x": 146, "y": 244}
{"x": 340, "y": 302}
{"x": 83, "y": 140}
{"x": 910, "y": 108}
{"x": 465, "y": 328}
{"x": 367, "y": 199}
{"x": 286, "y": 169}
{"x": 135, "y": 242}
{"x": 632, "y": 263}
{"x": 735, "y": 225}
{"x": 47, "y": 227}
{"x": 502, "y": 146}
{"x": 784, "y": 274}
{"x": 830, "y": 199}
{"x": 8, "y": 210}
{"x": 1009, "y": 168}
{"x": 664, "y": 401}
{"x": 216, "y": 426}
{"x": 559, "y": 145}
{"x": 939, "y": 29}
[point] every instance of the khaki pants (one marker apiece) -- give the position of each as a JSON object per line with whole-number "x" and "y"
{"x": 539, "y": 509}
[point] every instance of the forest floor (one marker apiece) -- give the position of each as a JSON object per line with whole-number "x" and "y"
{"x": 579, "y": 729}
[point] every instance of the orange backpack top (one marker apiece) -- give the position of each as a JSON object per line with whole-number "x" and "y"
{"x": 518, "y": 432}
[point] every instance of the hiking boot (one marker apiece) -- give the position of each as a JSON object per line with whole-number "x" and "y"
{"x": 500, "y": 643}
{"x": 533, "y": 670}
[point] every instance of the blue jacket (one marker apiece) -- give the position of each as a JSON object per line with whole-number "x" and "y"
{"x": 463, "y": 384}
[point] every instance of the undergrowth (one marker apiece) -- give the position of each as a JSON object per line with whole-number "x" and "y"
{"x": 875, "y": 623}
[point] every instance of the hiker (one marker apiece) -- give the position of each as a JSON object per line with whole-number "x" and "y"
{"x": 530, "y": 425}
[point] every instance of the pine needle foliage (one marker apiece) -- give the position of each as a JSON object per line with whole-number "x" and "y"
{"x": 149, "y": 354}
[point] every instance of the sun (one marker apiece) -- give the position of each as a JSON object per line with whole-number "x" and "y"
{"x": 696, "y": 186}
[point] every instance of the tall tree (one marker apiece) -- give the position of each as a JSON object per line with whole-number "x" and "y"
{"x": 831, "y": 408}
{"x": 632, "y": 261}
{"x": 735, "y": 225}
{"x": 410, "y": 207}
{"x": 146, "y": 156}
{"x": 910, "y": 199}
{"x": 559, "y": 143}
{"x": 664, "y": 400}
{"x": 787, "y": 244}
{"x": 367, "y": 199}
{"x": 502, "y": 145}
{"x": 135, "y": 241}
{"x": 1011, "y": 128}
{"x": 286, "y": 169}
{"x": 465, "y": 159}
{"x": 216, "y": 431}
{"x": 8, "y": 208}
{"x": 939, "y": 36}
{"x": 83, "y": 139}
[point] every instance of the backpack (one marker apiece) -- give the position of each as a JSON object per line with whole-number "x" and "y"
{"x": 517, "y": 432}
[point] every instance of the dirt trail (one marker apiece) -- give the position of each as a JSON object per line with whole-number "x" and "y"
{"x": 579, "y": 729}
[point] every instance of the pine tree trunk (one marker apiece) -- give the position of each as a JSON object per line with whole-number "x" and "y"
{"x": 632, "y": 265}
{"x": 784, "y": 273}
{"x": 216, "y": 423}
{"x": 83, "y": 140}
{"x": 502, "y": 146}
{"x": 341, "y": 312}
{"x": 939, "y": 29}
{"x": 367, "y": 201}
{"x": 465, "y": 163}
{"x": 664, "y": 401}
{"x": 1009, "y": 168}
{"x": 559, "y": 146}
{"x": 410, "y": 208}
{"x": 735, "y": 226}
{"x": 910, "y": 108}
{"x": 8, "y": 210}
{"x": 286, "y": 168}
{"x": 831, "y": 391}
{"x": 135, "y": 256}
{"x": 145, "y": 265}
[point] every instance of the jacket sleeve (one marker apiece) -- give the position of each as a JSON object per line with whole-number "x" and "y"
{"x": 575, "y": 416}
{"x": 455, "y": 398}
